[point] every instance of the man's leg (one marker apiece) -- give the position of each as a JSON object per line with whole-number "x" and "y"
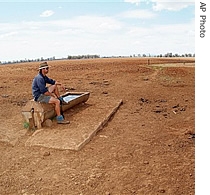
{"x": 60, "y": 119}
{"x": 54, "y": 89}
{"x": 57, "y": 105}
{"x": 52, "y": 100}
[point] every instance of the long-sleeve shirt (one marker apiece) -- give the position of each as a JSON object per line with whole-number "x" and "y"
{"x": 39, "y": 85}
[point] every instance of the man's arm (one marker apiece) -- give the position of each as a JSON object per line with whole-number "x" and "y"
{"x": 41, "y": 85}
{"x": 53, "y": 82}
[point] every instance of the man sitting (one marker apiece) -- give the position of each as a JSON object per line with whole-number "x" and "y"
{"x": 44, "y": 94}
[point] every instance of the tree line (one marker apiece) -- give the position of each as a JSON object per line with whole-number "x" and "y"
{"x": 88, "y": 56}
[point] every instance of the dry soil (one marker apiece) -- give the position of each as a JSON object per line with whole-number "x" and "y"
{"x": 148, "y": 147}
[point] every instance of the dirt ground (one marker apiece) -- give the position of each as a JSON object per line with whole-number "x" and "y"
{"x": 148, "y": 147}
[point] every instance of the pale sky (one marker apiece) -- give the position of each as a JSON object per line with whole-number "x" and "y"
{"x": 31, "y": 29}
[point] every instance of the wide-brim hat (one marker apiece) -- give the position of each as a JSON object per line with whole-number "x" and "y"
{"x": 43, "y": 65}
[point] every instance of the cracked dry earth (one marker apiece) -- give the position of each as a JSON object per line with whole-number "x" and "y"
{"x": 148, "y": 147}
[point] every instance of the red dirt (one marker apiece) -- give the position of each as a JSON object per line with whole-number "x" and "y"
{"x": 147, "y": 147}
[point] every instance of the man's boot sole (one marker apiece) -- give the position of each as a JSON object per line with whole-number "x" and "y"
{"x": 63, "y": 122}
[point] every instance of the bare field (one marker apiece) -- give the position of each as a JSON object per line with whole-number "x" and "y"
{"x": 147, "y": 147}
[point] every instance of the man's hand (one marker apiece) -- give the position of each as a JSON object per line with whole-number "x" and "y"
{"x": 62, "y": 86}
{"x": 64, "y": 89}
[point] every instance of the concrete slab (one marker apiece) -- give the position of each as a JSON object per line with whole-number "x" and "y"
{"x": 11, "y": 130}
{"x": 86, "y": 121}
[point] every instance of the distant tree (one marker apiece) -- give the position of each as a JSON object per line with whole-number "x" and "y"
{"x": 168, "y": 55}
{"x": 83, "y": 56}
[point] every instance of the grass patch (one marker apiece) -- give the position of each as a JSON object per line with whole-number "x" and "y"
{"x": 26, "y": 125}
